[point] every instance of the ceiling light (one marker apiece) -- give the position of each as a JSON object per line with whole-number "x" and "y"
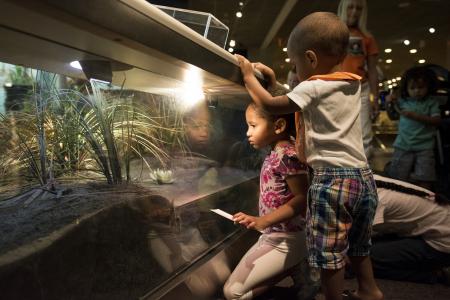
{"x": 389, "y": 81}
{"x": 285, "y": 49}
{"x": 388, "y": 61}
{"x": 394, "y": 80}
{"x": 287, "y": 60}
{"x": 388, "y": 50}
{"x": 394, "y": 84}
{"x": 231, "y": 49}
{"x": 422, "y": 61}
{"x": 239, "y": 14}
{"x": 398, "y": 78}
{"x": 390, "y": 86}
{"x": 232, "y": 43}
{"x": 380, "y": 84}
{"x": 406, "y": 42}
{"x": 432, "y": 30}
{"x": 241, "y": 3}
{"x": 413, "y": 51}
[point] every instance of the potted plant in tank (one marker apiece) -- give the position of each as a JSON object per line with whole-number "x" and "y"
{"x": 18, "y": 87}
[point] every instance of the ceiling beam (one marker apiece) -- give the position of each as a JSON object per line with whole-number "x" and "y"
{"x": 282, "y": 15}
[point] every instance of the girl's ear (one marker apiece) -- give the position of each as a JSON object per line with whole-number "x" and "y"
{"x": 311, "y": 58}
{"x": 280, "y": 125}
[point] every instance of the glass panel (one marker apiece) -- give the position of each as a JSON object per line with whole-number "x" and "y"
{"x": 107, "y": 184}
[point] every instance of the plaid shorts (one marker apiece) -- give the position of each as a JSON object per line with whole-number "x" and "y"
{"x": 341, "y": 208}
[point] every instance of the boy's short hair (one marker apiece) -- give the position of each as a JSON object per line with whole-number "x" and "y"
{"x": 322, "y": 32}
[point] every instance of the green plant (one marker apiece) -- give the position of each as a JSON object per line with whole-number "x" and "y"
{"x": 20, "y": 76}
{"x": 76, "y": 132}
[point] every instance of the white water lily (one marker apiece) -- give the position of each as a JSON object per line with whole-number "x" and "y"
{"x": 162, "y": 176}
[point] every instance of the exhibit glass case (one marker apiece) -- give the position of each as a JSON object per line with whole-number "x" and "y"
{"x": 115, "y": 147}
{"x": 203, "y": 23}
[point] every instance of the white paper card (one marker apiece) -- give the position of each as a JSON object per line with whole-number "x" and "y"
{"x": 223, "y": 214}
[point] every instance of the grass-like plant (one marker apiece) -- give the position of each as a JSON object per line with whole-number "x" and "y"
{"x": 98, "y": 128}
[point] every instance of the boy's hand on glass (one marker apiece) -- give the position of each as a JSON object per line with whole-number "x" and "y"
{"x": 245, "y": 65}
{"x": 268, "y": 73}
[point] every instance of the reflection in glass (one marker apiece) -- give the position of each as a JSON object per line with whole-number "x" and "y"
{"x": 78, "y": 201}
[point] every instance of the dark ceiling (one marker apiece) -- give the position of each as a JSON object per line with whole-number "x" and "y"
{"x": 263, "y": 29}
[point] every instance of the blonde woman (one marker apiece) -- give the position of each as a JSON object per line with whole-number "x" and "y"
{"x": 362, "y": 60}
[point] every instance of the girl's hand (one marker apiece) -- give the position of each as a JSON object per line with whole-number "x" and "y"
{"x": 245, "y": 65}
{"x": 250, "y": 222}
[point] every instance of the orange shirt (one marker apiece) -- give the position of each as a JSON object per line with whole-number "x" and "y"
{"x": 359, "y": 49}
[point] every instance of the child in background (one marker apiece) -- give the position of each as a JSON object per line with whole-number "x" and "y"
{"x": 283, "y": 189}
{"x": 413, "y": 158}
{"x": 342, "y": 197}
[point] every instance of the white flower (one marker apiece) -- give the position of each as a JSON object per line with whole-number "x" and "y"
{"x": 162, "y": 176}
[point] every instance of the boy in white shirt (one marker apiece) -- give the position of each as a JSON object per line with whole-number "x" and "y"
{"x": 342, "y": 197}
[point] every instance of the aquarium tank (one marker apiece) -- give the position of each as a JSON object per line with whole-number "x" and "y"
{"x": 115, "y": 147}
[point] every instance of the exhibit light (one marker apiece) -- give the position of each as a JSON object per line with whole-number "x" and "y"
{"x": 432, "y": 30}
{"x": 241, "y": 3}
{"x": 388, "y": 61}
{"x": 390, "y": 86}
{"x": 394, "y": 84}
{"x": 406, "y": 42}
{"x": 285, "y": 49}
{"x": 422, "y": 61}
{"x": 239, "y": 14}
{"x": 398, "y": 78}
{"x": 191, "y": 91}
{"x": 287, "y": 60}
{"x": 76, "y": 65}
{"x": 231, "y": 49}
{"x": 380, "y": 84}
{"x": 388, "y": 50}
{"x": 413, "y": 51}
{"x": 232, "y": 43}
{"x": 394, "y": 80}
{"x": 389, "y": 81}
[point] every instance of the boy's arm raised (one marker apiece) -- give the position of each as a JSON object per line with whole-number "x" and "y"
{"x": 275, "y": 105}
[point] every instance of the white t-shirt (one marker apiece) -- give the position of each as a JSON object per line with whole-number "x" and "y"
{"x": 409, "y": 215}
{"x": 332, "y": 125}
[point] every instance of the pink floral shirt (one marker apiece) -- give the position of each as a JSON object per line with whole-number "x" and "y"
{"x": 274, "y": 191}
